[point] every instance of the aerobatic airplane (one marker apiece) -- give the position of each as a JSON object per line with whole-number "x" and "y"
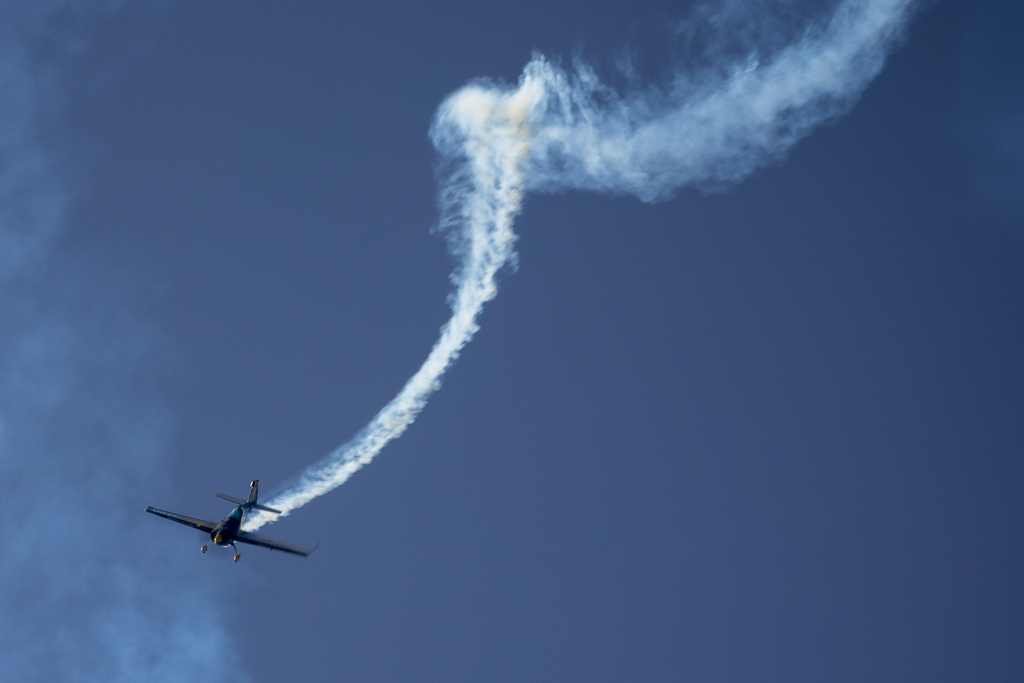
{"x": 230, "y": 528}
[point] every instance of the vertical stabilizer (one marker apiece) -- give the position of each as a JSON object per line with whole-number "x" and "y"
{"x": 255, "y": 490}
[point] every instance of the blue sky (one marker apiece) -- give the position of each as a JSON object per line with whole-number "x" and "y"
{"x": 761, "y": 430}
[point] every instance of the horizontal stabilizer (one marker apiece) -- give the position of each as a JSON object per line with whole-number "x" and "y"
{"x": 237, "y": 501}
{"x": 265, "y": 508}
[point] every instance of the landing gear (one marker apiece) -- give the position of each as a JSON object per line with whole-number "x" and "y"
{"x": 237, "y": 556}
{"x": 204, "y": 548}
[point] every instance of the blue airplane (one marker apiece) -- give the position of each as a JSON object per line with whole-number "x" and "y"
{"x": 230, "y": 528}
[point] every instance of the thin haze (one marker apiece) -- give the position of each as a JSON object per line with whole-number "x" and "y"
{"x": 79, "y": 428}
{"x": 564, "y": 129}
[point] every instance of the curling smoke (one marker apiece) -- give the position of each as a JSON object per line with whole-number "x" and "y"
{"x": 562, "y": 129}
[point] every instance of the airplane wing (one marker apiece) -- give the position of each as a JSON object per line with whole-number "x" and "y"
{"x": 182, "y": 519}
{"x": 272, "y": 543}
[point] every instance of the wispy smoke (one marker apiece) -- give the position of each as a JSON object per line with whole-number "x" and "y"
{"x": 564, "y": 129}
{"x": 82, "y": 428}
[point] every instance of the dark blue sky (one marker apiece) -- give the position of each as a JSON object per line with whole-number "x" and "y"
{"x": 768, "y": 433}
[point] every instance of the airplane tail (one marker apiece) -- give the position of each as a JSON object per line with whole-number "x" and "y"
{"x": 253, "y": 492}
{"x": 251, "y": 503}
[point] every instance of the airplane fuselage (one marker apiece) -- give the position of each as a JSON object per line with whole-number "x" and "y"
{"x": 224, "y": 534}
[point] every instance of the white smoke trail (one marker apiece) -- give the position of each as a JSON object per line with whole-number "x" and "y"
{"x": 567, "y": 130}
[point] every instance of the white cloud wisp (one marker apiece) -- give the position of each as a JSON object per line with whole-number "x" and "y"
{"x": 83, "y": 427}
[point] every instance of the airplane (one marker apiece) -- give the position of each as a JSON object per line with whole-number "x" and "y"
{"x": 230, "y": 528}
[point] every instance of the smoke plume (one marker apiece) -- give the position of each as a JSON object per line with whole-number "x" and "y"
{"x": 562, "y": 129}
